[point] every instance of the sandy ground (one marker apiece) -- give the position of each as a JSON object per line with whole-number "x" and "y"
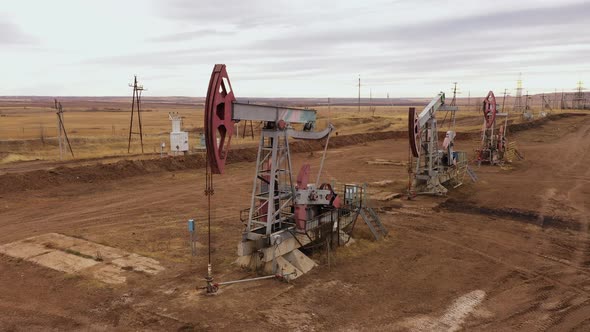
{"x": 509, "y": 252}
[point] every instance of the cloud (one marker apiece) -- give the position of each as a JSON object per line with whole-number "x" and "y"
{"x": 191, "y": 35}
{"x": 485, "y": 43}
{"x": 11, "y": 34}
{"x": 307, "y": 47}
{"x": 432, "y": 34}
{"x": 249, "y": 14}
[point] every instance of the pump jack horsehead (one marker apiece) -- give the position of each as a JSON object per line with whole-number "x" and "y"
{"x": 284, "y": 216}
{"x": 435, "y": 169}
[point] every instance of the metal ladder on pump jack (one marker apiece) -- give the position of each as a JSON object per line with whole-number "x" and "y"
{"x": 370, "y": 217}
{"x": 373, "y": 222}
{"x": 471, "y": 173}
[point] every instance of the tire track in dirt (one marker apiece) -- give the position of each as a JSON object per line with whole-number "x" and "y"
{"x": 572, "y": 305}
{"x": 542, "y": 293}
{"x": 494, "y": 239}
{"x": 525, "y": 271}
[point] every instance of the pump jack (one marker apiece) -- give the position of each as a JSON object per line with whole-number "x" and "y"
{"x": 283, "y": 216}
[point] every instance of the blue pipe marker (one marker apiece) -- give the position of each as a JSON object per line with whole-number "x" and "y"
{"x": 191, "y": 225}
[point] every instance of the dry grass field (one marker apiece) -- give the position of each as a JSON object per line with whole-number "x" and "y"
{"x": 99, "y": 128}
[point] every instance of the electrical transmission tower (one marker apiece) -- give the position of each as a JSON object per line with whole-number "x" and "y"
{"x": 136, "y": 106}
{"x": 527, "y": 97}
{"x": 563, "y": 105}
{"x": 62, "y": 135}
{"x": 453, "y": 103}
{"x": 545, "y": 103}
{"x": 579, "y": 101}
{"x": 518, "y": 104}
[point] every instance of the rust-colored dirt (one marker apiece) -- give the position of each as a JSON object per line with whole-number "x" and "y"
{"x": 509, "y": 252}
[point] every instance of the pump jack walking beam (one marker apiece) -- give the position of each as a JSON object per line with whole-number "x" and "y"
{"x": 417, "y": 122}
{"x": 222, "y": 111}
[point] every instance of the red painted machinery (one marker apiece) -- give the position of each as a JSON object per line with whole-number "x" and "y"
{"x": 493, "y": 137}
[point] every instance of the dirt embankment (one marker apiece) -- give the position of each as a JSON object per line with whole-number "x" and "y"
{"x": 539, "y": 122}
{"x": 526, "y": 216}
{"x": 15, "y": 182}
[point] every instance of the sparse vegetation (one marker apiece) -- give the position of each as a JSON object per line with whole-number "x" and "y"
{"x": 97, "y": 132}
{"x": 51, "y": 245}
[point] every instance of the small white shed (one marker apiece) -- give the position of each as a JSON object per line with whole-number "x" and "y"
{"x": 178, "y": 138}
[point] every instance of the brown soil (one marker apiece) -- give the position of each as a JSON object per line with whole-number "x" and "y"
{"x": 509, "y": 252}
{"x": 31, "y": 175}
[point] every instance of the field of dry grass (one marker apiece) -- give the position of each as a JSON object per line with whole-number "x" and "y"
{"x": 99, "y": 128}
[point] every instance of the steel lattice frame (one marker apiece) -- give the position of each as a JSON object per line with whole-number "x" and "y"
{"x": 493, "y": 140}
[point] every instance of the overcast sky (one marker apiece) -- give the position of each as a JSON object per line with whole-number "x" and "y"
{"x": 293, "y": 48}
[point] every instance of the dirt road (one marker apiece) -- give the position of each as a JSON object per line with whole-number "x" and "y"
{"x": 519, "y": 264}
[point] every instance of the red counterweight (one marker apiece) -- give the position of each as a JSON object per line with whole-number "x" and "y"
{"x": 489, "y": 109}
{"x": 219, "y": 125}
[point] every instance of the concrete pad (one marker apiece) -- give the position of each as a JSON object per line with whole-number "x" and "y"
{"x": 345, "y": 239}
{"x": 109, "y": 273}
{"x": 300, "y": 261}
{"x": 23, "y": 249}
{"x": 62, "y": 261}
{"x": 73, "y": 255}
{"x": 59, "y": 240}
{"x": 139, "y": 263}
{"x": 251, "y": 262}
{"x": 288, "y": 244}
{"x": 246, "y": 248}
{"x": 283, "y": 267}
{"x": 95, "y": 249}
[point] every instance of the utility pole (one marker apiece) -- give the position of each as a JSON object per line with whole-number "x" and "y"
{"x": 454, "y": 101}
{"x": 371, "y": 107}
{"x": 61, "y": 130}
{"x": 136, "y": 104}
{"x": 469, "y": 100}
{"x": 578, "y": 101}
{"x": 359, "y": 99}
{"x": 329, "y": 110}
{"x": 504, "y": 99}
{"x": 390, "y": 102}
{"x": 518, "y": 105}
